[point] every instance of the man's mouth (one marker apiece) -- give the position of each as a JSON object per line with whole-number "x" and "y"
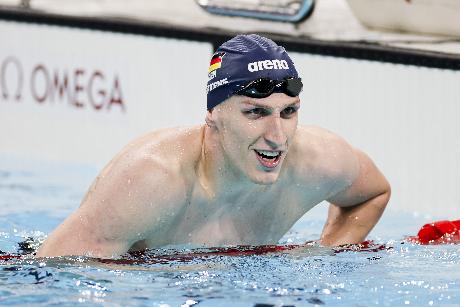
{"x": 268, "y": 158}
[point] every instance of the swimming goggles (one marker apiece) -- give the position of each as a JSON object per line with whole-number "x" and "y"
{"x": 264, "y": 87}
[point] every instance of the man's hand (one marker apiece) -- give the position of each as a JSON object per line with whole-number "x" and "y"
{"x": 355, "y": 211}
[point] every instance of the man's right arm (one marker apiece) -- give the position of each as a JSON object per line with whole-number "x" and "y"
{"x": 121, "y": 208}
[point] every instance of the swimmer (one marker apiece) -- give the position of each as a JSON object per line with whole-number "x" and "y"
{"x": 243, "y": 178}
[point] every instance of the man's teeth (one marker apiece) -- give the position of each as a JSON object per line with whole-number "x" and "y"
{"x": 271, "y": 154}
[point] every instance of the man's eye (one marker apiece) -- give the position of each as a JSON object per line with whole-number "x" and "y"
{"x": 288, "y": 111}
{"x": 256, "y": 111}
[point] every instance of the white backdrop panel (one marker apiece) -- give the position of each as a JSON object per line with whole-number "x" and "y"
{"x": 84, "y": 94}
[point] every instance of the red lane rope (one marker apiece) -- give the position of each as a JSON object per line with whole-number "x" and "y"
{"x": 7, "y": 257}
{"x": 440, "y": 232}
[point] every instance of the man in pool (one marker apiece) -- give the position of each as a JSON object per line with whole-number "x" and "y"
{"x": 243, "y": 178}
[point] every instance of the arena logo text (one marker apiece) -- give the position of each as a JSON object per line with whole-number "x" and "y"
{"x": 268, "y": 64}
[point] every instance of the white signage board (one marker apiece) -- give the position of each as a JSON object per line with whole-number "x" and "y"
{"x": 80, "y": 95}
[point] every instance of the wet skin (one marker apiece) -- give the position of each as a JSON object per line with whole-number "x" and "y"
{"x": 243, "y": 178}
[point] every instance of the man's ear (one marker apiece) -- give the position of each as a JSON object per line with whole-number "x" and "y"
{"x": 210, "y": 119}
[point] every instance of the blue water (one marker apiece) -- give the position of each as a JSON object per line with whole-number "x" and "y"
{"x": 35, "y": 196}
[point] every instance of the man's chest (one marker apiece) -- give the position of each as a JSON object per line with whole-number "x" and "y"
{"x": 262, "y": 219}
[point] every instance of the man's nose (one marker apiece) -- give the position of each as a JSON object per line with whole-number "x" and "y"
{"x": 275, "y": 136}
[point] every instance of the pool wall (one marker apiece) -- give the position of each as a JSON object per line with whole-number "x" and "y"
{"x": 81, "y": 93}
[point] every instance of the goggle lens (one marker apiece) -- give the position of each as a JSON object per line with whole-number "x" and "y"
{"x": 262, "y": 88}
{"x": 293, "y": 87}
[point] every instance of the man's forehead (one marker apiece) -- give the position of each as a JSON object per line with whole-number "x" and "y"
{"x": 273, "y": 101}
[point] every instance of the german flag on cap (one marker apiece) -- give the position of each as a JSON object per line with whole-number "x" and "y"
{"x": 216, "y": 61}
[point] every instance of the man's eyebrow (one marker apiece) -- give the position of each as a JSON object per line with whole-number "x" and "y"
{"x": 297, "y": 101}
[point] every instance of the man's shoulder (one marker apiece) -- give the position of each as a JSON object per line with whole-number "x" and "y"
{"x": 168, "y": 140}
{"x": 322, "y": 153}
{"x": 170, "y": 148}
{"x": 161, "y": 160}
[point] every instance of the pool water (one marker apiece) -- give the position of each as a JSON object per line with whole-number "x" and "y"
{"x": 35, "y": 196}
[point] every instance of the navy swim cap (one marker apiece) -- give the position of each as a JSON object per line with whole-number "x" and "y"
{"x": 243, "y": 59}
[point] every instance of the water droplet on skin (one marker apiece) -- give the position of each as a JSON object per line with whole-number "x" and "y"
{"x": 326, "y": 291}
{"x": 190, "y": 302}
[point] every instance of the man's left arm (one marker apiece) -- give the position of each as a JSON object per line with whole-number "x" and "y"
{"x": 355, "y": 211}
